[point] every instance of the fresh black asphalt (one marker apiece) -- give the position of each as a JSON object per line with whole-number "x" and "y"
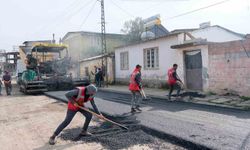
{"x": 212, "y": 127}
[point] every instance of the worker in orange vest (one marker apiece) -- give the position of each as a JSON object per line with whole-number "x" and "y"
{"x": 77, "y": 97}
{"x": 174, "y": 81}
{"x": 135, "y": 87}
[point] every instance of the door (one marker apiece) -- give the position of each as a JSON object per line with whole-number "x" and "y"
{"x": 193, "y": 64}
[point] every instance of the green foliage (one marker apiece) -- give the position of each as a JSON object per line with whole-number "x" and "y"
{"x": 211, "y": 93}
{"x": 133, "y": 29}
{"x": 245, "y": 98}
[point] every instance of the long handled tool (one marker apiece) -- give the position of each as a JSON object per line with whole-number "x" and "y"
{"x": 102, "y": 117}
{"x": 144, "y": 97}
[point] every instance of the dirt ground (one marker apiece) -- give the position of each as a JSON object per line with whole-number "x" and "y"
{"x": 27, "y": 122}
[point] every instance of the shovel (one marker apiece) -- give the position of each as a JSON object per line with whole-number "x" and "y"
{"x": 102, "y": 117}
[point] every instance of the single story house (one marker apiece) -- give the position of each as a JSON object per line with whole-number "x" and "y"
{"x": 191, "y": 49}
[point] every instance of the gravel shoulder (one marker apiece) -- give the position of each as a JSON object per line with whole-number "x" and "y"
{"x": 27, "y": 122}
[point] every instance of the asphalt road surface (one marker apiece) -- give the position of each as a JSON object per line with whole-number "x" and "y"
{"x": 214, "y": 127}
{"x": 210, "y": 126}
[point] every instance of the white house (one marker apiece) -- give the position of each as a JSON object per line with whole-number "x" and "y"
{"x": 186, "y": 47}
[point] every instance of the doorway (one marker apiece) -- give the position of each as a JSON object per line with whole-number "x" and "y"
{"x": 193, "y": 66}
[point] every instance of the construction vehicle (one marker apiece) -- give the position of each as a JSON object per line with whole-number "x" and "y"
{"x": 46, "y": 70}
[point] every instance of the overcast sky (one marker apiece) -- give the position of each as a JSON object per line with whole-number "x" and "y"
{"x": 23, "y": 20}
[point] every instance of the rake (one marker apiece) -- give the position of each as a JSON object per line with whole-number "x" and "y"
{"x": 103, "y": 118}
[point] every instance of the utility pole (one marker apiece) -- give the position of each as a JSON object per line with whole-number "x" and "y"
{"x": 103, "y": 38}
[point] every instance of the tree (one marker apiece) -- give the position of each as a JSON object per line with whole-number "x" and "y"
{"x": 133, "y": 29}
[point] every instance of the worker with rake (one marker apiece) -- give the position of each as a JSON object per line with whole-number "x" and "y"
{"x": 135, "y": 88}
{"x": 76, "y": 100}
{"x": 174, "y": 82}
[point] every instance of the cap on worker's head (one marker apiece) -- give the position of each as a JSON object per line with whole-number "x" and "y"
{"x": 138, "y": 66}
{"x": 91, "y": 89}
{"x": 6, "y": 71}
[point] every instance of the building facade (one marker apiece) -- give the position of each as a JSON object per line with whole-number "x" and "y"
{"x": 83, "y": 45}
{"x": 189, "y": 48}
{"x": 229, "y": 67}
{"x": 87, "y": 67}
{"x": 154, "y": 55}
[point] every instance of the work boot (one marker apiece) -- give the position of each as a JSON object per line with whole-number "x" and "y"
{"x": 52, "y": 140}
{"x": 178, "y": 98}
{"x": 133, "y": 110}
{"x": 85, "y": 133}
{"x": 138, "y": 108}
{"x": 169, "y": 97}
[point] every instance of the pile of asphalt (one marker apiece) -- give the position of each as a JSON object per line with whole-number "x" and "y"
{"x": 137, "y": 137}
{"x": 191, "y": 94}
{"x": 123, "y": 140}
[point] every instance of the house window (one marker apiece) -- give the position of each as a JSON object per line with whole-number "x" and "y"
{"x": 151, "y": 58}
{"x": 124, "y": 60}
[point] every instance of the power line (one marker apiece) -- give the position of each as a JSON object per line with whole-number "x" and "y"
{"x": 125, "y": 11}
{"x": 182, "y": 14}
{"x": 144, "y": 9}
{"x": 73, "y": 4}
{"x": 192, "y": 11}
{"x": 65, "y": 16}
{"x": 78, "y": 10}
{"x": 58, "y": 17}
{"x": 85, "y": 19}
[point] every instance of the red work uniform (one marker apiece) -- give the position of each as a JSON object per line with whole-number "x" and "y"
{"x": 171, "y": 79}
{"x": 134, "y": 86}
{"x": 79, "y": 99}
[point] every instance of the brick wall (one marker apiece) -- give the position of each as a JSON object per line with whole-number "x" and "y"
{"x": 229, "y": 67}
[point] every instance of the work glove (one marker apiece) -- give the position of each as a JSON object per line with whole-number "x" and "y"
{"x": 75, "y": 104}
{"x": 101, "y": 116}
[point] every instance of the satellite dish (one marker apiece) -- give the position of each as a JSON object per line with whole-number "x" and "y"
{"x": 147, "y": 35}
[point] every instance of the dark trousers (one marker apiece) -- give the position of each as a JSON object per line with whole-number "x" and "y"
{"x": 171, "y": 89}
{"x": 136, "y": 100}
{"x": 8, "y": 88}
{"x": 98, "y": 82}
{"x": 69, "y": 116}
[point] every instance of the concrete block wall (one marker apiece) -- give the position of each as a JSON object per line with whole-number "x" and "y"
{"x": 97, "y": 62}
{"x": 229, "y": 67}
{"x": 153, "y": 83}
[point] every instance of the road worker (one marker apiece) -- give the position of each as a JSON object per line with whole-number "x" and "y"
{"x": 135, "y": 87}
{"x": 78, "y": 97}
{"x": 174, "y": 81}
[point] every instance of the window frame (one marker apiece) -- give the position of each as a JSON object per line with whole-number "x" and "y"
{"x": 124, "y": 66}
{"x": 151, "y": 64}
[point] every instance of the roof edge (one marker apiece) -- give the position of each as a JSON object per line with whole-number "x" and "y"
{"x": 90, "y": 32}
{"x": 140, "y": 42}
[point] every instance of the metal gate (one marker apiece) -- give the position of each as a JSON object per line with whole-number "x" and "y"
{"x": 193, "y": 64}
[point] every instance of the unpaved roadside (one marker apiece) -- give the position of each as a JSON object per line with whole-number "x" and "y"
{"x": 26, "y": 123}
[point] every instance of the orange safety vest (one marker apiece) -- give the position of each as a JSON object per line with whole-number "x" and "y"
{"x": 133, "y": 86}
{"x": 79, "y": 99}
{"x": 171, "y": 79}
